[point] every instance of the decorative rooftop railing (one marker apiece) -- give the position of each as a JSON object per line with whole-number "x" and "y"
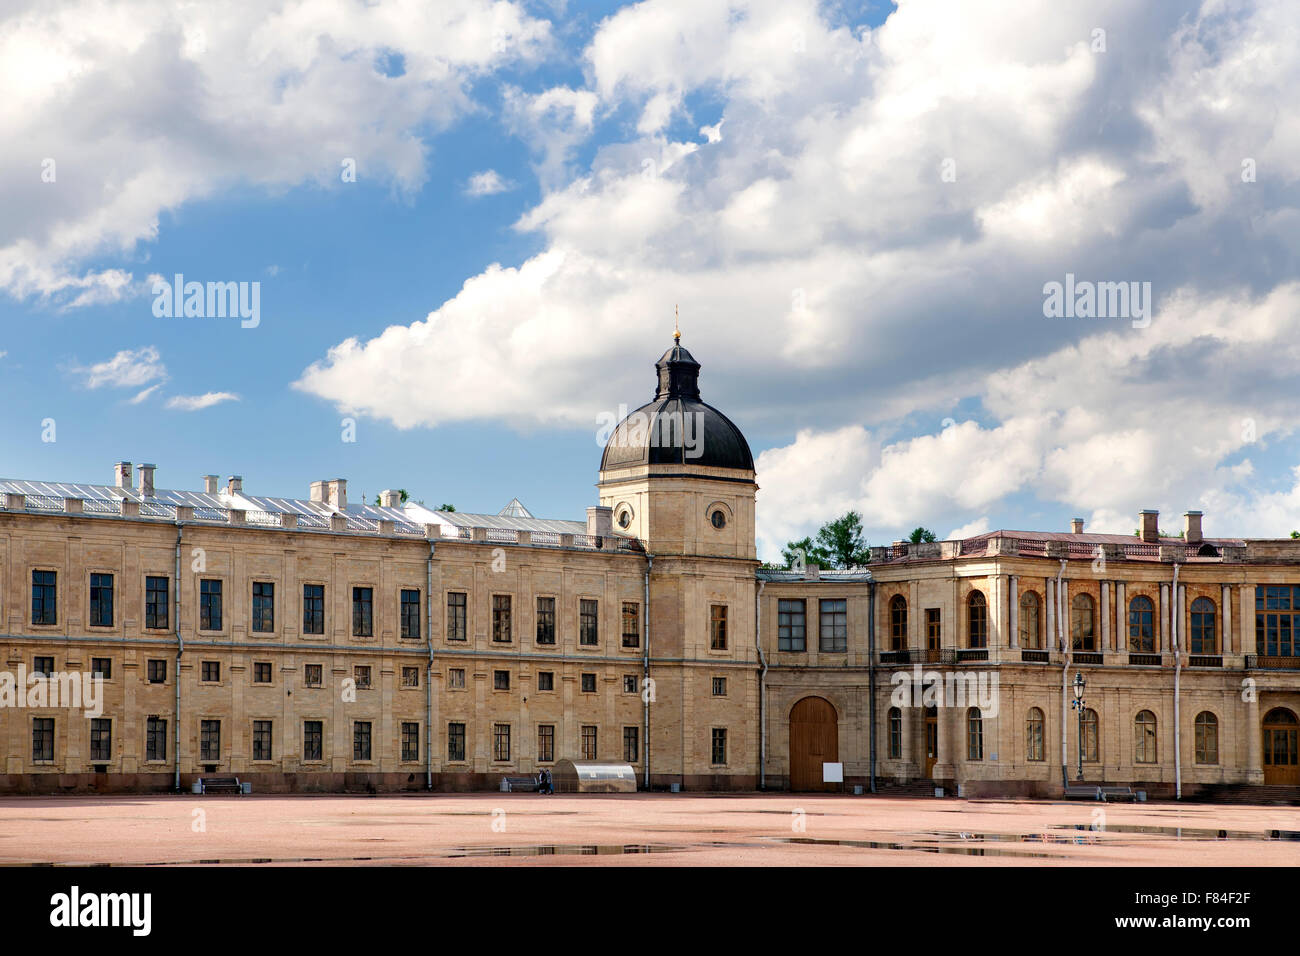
{"x": 153, "y": 509}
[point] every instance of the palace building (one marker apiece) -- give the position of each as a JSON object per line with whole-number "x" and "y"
{"x": 318, "y": 644}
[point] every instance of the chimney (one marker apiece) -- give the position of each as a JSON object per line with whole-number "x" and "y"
{"x": 336, "y": 494}
{"x": 318, "y": 491}
{"x": 210, "y": 484}
{"x": 390, "y": 499}
{"x": 1076, "y": 526}
{"x": 146, "y": 480}
{"x": 600, "y": 521}
{"x": 1192, "y": 527}
{"x": 122, "y": 475}
{"x": 234, "y": 484}
{"x": 1149, "y": 523}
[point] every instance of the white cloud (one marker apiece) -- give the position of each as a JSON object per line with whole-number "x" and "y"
{"x": 133, "y": 109}
{"x": 143, "y": 394}
{"x": 194, "y": 403}
{"x": 129, "y": 368}
{"x": 487, "y": 183}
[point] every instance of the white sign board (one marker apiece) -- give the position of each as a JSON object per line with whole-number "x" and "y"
{"x": 832, "y": 773}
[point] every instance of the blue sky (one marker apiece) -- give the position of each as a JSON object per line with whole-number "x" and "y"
{"x": 774, "y": 167}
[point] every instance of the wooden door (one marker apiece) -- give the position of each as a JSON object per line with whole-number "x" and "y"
{"x": 931, "y": 740}
{"x": 1281, "y": 760}
{"x": 814, "y": 740}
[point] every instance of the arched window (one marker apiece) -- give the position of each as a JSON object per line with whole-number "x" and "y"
{"x": 1034, "y": 735}
{"x": 897, "y": 622}
{"x": 1141, "y": 625}
{"x": 1090, "y": 735}
{"x": 979, "y": 620}
{"x": 895, "y": 733}
{"x": 1031, "y": 632}
{"x": 974, "y": 734}
{"x": 1144, "y": 737}
{"x": 1207, "y": 737}
{"x": 1082, "y": 635}
{"x": 1203, "y": 638}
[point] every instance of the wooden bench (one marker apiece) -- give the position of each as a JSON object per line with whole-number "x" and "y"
{"x": 1079, "y": 791}
{"x": 518, "y": 784}
{"x": 220, "y": 785}
{"x": 1118, "y": 793}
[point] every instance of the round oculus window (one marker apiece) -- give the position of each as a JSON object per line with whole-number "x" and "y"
{"x": 719, "y": 518}
{"x": 624, "y": 519}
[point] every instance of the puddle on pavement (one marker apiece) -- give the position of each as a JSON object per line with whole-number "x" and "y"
{"x": 918, "y": 848}
{"x": 1184, "y": 833}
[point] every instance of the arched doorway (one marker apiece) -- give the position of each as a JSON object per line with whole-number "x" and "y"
{"x": 931, "y": 741}
{"x": 1281, "y": 762}
{"x": 814, "y": 740}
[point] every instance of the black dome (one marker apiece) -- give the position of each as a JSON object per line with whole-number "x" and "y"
{"x": 677, "y": 428}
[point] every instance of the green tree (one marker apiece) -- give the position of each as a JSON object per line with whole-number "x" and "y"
{"x": 838, "y": 544}
{"x": 446, "y": 507}
{"x": 920, "y": 535}
{"x": 804, "y": 551}
{"x": 401, "y": 492}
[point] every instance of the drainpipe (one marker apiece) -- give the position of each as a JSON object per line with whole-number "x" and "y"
{"x": 871, "y": 674}
{"x": 180, "y": 650}
{"x": 645, "y": 666}
{"x": 428, "y": 680}
{"x": 762, "y": 688}
{"x": 1065, "y": 677}
{"x": 1176, "y": 606}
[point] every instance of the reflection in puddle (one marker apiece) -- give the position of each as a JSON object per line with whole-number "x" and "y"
{"x": 1184, "y": 833}
{"x": 920, "y": 848}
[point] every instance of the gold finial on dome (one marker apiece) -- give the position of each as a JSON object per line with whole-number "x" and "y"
{"x": 677, "y": 333}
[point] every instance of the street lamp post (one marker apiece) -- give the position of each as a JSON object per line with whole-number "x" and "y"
{"x": 1079, "y": 704}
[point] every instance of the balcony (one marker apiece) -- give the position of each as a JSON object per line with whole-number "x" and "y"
{"x": 896, "y": 657}
{"x": 1087, "y": 657}
{"x": 1272, "y": 662}
{"x": 1204, "y": 660}
{"x": 1035, "y": 657}
{"x": 1145, "y": 660}
{"x": 972, "y": 654}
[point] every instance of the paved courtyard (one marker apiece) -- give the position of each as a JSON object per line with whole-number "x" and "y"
{"x": 638, "y": 830}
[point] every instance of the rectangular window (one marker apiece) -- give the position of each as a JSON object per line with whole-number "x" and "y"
{"x": 546, "y": 680}
{"x": 101, "y": 600}
{"x": 42, "y": 739}
{"x": 588, "y": 623}
{"x": 361, "y": 740}
{"x": 261, "y": 740}
{"x": 44, "y": 603}
{"x": 312, "y": 739}
{"x": 455, "y": 742}
{"x": 501, "y": 742}
{"x": 363, "y": 612}
{"x": 933, "y": 628}
{"x": 456, "y": 678}
{"x": 834, "y": 620}
{"x": 312, "y": 675}
{"x": 629, "y": 683}
{"x": 545, "y": 742}
{"x": 101, "y": 667}
{"x": 313, "y": 609}
{"x": 456, "y": 605}
{"x": 546, "y": 620}
{"x": 44, "y": 666}
{"x": 895, "y": 733}
{"x": 974, "y": 735}
{"x": 1277, "y": 621}
{"x": 589, "y": 683}
{"x": 261, "y": 672}
{"x": 410, "y": 740}
{"x": 719, "y": 687}
{"x": 791, "y": 618}
{"x": 361, "y": 676}
{"x": 718, "y": 755}
{"x": 209, "y": 605}
{"x": 588, "y": 742}
{"x": 156, "y": 602}
{"x": 157, "y": 670}
{"x": 263, "y": 606}
{"x": 210, "y": 671}
{"x": 500, "y": 680}
{"x": 631, "y": 744}
{"x": 717, "y": 627}
{"x": 101, "y": 739}
{"x": 210, "y": 740}
{"x": 631, "y": 624}
{"x": 501, "y": 618}
{"x": 155, "y": 739}
{"x": 410, "y": 677}
{"x": 410, "y": 613}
